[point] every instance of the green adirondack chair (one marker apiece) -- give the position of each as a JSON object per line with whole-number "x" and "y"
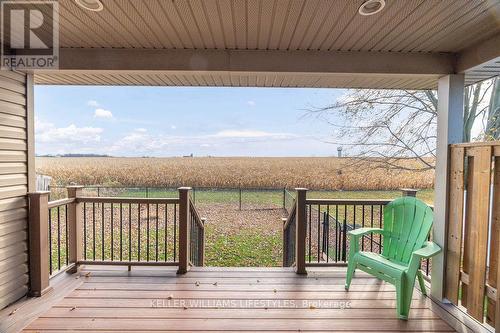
{"x": 407, "y": 223}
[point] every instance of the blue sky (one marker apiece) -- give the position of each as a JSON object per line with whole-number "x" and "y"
{"x": 175, "y": 121}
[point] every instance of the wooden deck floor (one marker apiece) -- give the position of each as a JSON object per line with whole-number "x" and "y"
{"x": 210, "y": 299}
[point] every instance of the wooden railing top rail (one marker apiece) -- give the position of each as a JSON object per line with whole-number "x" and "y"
{"x": 128, "y": 200}
{"x": 61, "y": 202}
{"x": 476, "y": 144}
{"x": 348, "y": 201}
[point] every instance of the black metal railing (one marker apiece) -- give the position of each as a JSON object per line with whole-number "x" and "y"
{"x": 58, "y": 235}
{"x": 288, "y": 201}
{"x": 130, "y": 230}
{"x": 330, "y": 220}
{"x": 289, "y": 230}
{"x": 197, "y": 237}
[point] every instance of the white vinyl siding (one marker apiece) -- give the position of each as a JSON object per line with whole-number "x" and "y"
{"x": 13, "y": 187}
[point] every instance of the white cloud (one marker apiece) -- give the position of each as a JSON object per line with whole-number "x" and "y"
{"x": 101, "y": 113}
{"x": 251, "y": 103}
{"x": 173, "y": 127}
{"x": 46, "y": 132}
{"x": 93, "y": 103}
{"x": 140, "y": 141}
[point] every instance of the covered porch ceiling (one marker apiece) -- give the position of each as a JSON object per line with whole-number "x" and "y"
{"x": 277, "y": 43}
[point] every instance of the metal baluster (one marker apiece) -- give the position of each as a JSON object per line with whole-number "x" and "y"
{"x": 121, "y": 232}
{"x": 427, "y": 261}
{"x": 66, "y": 225}
{"x": 337, "y": 236}
{"x": 50, "y": 240}
{"x": 58, "y": 238}
{"x": 326, "y": 231}
{"x": 112, "y": 248}
{"x": 156, "y": 232}
{"x": 381, "y": 226}
{"x": 147, "y": 228}
{"x": 194, "y": 237}
{"x": 165, "y": 233}
{"x": 363, "y": 225}
{"x": 344, "y": 235}
{"x": 371, "y": 225}
{"x": 129, "y": 232}
{"x": 344, "y": 241}
{"x": 93, "y": 230}
{"x": 318, "y": 230}
{"x": 102, "y": 230}
{"x": 310, "y": 235}
{"x": 354, "y": 218}
{"x": 175, "y": 232}
{"x": 191, "y": 248}
{"x": 138, "y": 232}
{"x": 85, "y": 231}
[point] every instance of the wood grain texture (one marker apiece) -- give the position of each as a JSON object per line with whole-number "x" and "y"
{"x": 477, "y": 233}
{"x": 493, "y": 314}
{"x": 233, "y": 300}
{"x": 455, "y": 224}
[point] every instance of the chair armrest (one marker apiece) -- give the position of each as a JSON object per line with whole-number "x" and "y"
{"x": 363, "y": 231}
{"x": 429, "y": 249}
{"x": 356, "y": 234}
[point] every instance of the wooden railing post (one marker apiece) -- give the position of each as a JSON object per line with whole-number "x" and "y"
{"x": 184, "y": 232}
{"x": 408, "y": 192}
{"x": 75, "y": 229}
{"x": 301, "y": 231}
{"x": 39, "y": 247}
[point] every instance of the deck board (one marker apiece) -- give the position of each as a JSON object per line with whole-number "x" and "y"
{"x": 232, "y": 300}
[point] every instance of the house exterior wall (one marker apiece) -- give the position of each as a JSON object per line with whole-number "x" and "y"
{"x": 16, "y": 150}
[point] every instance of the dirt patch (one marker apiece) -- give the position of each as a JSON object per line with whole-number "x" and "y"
{"x": 248, "y": 237}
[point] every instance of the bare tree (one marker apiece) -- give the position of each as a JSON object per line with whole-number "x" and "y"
{"x": 391, "y": 126}
{"x": 492, "y": 131}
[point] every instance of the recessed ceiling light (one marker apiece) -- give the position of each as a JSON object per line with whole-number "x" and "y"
{"x": 371, "y": 7}
{"x": 93, "y": 5}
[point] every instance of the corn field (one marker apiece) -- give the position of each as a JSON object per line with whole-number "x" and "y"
{"x": 328, "y": 173}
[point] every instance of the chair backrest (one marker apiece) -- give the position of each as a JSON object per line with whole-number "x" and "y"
{"x": 407, "y": 223}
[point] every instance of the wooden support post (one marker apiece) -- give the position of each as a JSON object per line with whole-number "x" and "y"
{"x": 75, "y": 229}
{"x": 301, "y": 231}
{"x": 184, "y": 232}
{"x": 39, "y": 247}
{"x": 450, "y": 121}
